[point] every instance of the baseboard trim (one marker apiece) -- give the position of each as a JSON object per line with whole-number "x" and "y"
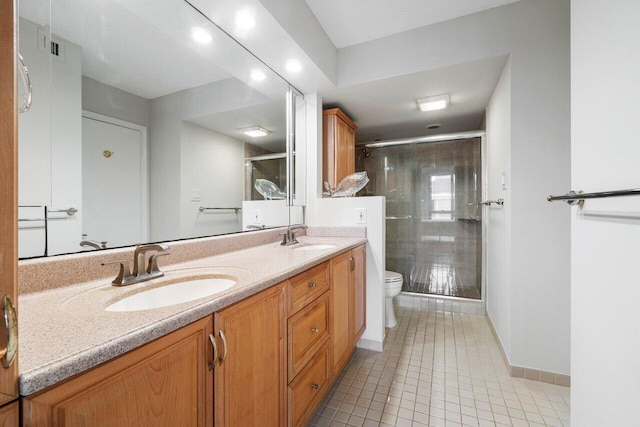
{"x": 370, "y": 344}
{"x": 529, "y": 373}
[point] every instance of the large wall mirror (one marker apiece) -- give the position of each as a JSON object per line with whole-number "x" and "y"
{"x": 148, "y": 123}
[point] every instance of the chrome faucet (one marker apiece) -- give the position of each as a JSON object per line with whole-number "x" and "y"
{"x": 126, "y": 277}
{"x": 289, "y": 237}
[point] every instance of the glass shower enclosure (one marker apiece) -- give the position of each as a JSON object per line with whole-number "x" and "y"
{"x": 433, "y": 213}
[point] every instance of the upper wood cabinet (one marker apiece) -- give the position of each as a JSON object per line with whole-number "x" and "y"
{"x": 166, "y": 382}
{"x": 251, "y": 371}
{"x": 338, "y": 146}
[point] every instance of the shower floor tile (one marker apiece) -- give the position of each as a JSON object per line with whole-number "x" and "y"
{"x": 439, "y": 369}
{"x": 439, "y": 279}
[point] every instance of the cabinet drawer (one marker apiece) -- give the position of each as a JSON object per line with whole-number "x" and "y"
{"x": 307, "y": 286}
{"x": 306, "y": 391}
{"x": 308, "y": 331}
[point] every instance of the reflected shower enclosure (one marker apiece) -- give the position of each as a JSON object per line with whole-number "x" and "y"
{"x": 433, "y": 215}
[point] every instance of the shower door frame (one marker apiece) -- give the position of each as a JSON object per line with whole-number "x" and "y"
{"x": 484, "y": 186}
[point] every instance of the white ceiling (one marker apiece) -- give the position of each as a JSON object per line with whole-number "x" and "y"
{"x": 349, "y": 22}
{"x": 386, "y": 109}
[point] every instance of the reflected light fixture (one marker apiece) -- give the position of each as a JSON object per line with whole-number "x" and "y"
{"x": 201, "y": 35}
{"x": 255, "y": 131}
{"x": 257, "y": 75}
{"x": 433, "y": 102}
{"x": 245, "y": 19}
{"x": 293, "y": 65}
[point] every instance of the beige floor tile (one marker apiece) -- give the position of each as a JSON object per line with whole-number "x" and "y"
{"x": 439, "y": 369}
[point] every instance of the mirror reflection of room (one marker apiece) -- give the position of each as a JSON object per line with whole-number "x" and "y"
{"x": 143, "y": 128}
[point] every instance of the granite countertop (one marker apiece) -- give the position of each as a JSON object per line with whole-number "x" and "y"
{"x": 66, "y": 331}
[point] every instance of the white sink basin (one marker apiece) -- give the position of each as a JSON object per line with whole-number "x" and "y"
{"x": 317, "y": 247}
{"x": 174, "y": 293}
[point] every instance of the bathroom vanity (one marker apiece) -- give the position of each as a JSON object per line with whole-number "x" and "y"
{"x": 263, "y": 352}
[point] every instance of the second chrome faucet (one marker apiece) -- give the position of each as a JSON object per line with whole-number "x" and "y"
{"x": 140, "y": 273}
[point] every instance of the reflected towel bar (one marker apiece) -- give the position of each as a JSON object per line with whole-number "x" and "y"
{"x": 498, "y": 202}
{"x": 202, "y": 209}
{"x": 71, "y": 211}
{"x": 578, "y": 198}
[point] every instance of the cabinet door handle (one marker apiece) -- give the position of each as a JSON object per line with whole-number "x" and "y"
{"x": 313, "y": 284}
{"x": 224, "y": 343}
{"x": 314, "y": 330}
{"x": 212, "y": 364}
{"x": 8, "y": 354}
{"x": 352, "y": 263}
{"x": 315, "y": 386}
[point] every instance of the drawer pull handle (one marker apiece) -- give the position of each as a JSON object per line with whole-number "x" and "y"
{"x": 314, "y": 330}
{"x": 315, "y": 386}
{"x": 224, "y": 342}
{"x": 212, "y": 364}
{"x": 10, "y": 317}
{"x": 313, "y": 284}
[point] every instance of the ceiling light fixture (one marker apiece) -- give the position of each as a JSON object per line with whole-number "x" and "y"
{"x": 433, "y": 102}
{"x": 245, "y": 19}
{"x": 258, "y": 75}
{"x": 293, "y": 66}
{"x": 201, "y": 35}
{"x": 255, "y": 131}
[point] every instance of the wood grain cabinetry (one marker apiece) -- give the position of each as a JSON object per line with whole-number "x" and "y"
{"x": 251, "y": 370}
{"x": 10, "y": 415}
{"x": 338, "y": 146}
{"x": 309, "y": 366}
{"x": 165, "y": 382}
{"x": 348, "y": 299}
{"x": 267, "y": 360}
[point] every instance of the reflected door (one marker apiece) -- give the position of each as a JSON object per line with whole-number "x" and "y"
{"x": 113, "y": 193}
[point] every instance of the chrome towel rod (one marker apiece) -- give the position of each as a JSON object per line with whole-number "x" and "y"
{"x": 498, "y": 202}
{"x": 573, "y": 197}
{"x": 202, "y": 209}
{"x": 69, "y": 211}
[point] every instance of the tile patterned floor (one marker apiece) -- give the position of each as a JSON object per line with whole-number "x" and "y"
{"x": 439, "y": 369}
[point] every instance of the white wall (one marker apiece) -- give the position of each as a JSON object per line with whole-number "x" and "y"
{"x": 212, "y": 164}
{"x": 498, "y": 218}
{"x": 50, "y": 163}
{"x": 64, "y": 232}
{"x": 605, "y": 336}
{"x": 165, "y": 167}
{"x": 270, "y": 213}
{"x": 109, "y": 101}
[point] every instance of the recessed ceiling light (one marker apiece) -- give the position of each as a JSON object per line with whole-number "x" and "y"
{"x": 293, "y": 66}
{"x": 245, "y": 19}
{"x": 433, "y": 102}
{"x": 255, "y": 131}
{"x": 201, "y": 35}
{"x": 258, "y": 75}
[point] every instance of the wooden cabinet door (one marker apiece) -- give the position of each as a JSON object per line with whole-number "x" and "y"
{"x": 338, "y": 146}
{"x": 357, "y": 296}
{"x": 250, "y": 376}
{"x": 8, "y": 187}
{"x": 339, "y": 319}
{"x": 167, "y": 382}
{"x": 10, "y": 415}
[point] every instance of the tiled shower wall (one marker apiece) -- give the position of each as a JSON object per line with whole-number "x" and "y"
{"x": 436, "y": 247}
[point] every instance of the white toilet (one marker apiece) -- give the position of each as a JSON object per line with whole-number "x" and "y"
{"x": 392, "y": 287}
